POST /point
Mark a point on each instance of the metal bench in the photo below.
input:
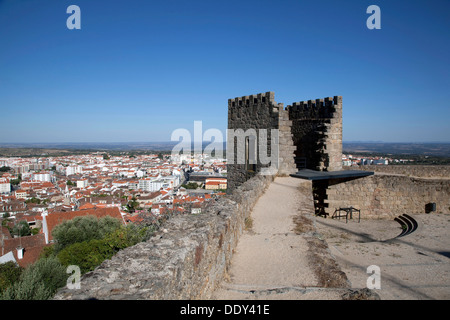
(346, 212)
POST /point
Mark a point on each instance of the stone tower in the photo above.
(306, 134)
(317, 133)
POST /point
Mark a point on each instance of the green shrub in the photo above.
(22, 229)
(9, 273)
(38, 281)
(127, 236)
(82, 229)
(87, 254)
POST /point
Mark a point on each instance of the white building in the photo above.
(70, 170)
(173, 181)
(148, 184)
(140, 173)
(346, 162)
(42, 176)
(5, 186)
(4, 162)
(83, 183)
(380, 161)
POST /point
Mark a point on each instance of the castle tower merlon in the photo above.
(260, 98)
(319, 103)
(337, 100)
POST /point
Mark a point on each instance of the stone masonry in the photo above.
(385, 195)
(250, 114)
(317, 133)
(310, 134)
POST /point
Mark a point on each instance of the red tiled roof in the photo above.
(87, 205)
(212, 183)
(5, 232)
(33, 246)
(135, 219)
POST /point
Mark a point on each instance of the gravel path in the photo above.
(280, 255)
(415, 266)
(272, 260)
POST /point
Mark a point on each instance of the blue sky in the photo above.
(138, 70)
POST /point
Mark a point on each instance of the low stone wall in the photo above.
(187, 259)
(422, 171)
(387, 196)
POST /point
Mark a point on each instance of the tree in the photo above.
(33, 200)
(9, 274)
(87, 254)
(15, 182)
(38, 281)
(90, 254)
(133, 205)
(81, 229)
(127, 236)
(190, 185)
(21, 229)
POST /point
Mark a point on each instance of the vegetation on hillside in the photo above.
(83, 241)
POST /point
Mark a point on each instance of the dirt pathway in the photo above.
(415, 266)
(288, 253)
(273, 259)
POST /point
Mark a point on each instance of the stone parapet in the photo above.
(186, 259)
(421, 171)
(387, 196)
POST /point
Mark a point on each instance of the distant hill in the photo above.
(24, 149)
(394, 148)
(93, 145)
(60, 149)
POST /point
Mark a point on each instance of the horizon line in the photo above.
(205, 142)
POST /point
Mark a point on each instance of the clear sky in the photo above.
(138, 70)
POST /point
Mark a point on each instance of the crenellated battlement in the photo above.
(310, 132)
(260, 98)
(317, 131)
(318, 107)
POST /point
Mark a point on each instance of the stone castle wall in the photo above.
(387, 196)
(422, 171)
(187, 259)
(287, 148)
